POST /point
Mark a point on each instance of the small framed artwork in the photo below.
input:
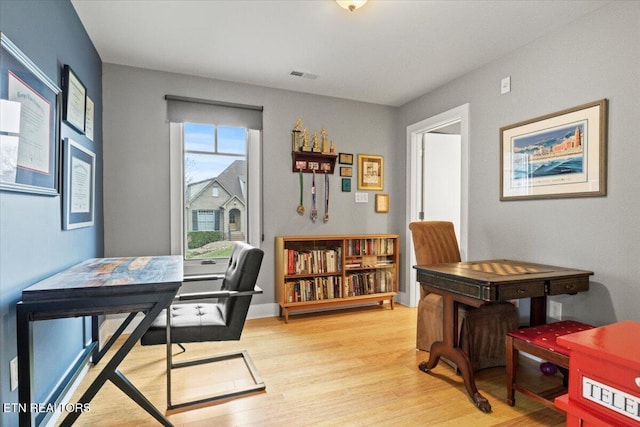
(382, 203)
(370, 172)
(74, 99)
(346, 185)
(78, 186)
(562, 154)
(346, 171)
(29, 125)
(345, 158)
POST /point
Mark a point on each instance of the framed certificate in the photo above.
(74, 102)
(79, 180)
(29, 105)
(88, 123)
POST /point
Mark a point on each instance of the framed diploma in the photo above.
(78, 186)
(88, 122)
(29, 105)
(74, 99)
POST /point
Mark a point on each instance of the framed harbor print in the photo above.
(562, 154)
(74, 99)
(370, 172)
(78, 186)
(29, 124)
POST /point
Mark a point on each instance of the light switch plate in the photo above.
(505, 85)
(362, 197)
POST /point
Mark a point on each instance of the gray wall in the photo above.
(596, 57)
(32, 244)
(136, 160)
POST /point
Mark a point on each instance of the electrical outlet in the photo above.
(13, 367)
(362, 197)
(555, 310)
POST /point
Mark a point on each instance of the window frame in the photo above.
(176, 190)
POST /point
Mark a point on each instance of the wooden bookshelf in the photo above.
(318, 272)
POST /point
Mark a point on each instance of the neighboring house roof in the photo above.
(229, 179)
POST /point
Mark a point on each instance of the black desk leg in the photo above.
(110, 371)
(23, 327)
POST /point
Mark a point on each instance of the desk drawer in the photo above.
(568, 286)
(521, 290)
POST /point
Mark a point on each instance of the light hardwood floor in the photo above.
(354, 367)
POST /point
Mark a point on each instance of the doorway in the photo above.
(437, 181)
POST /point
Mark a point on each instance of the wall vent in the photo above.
(303, 74)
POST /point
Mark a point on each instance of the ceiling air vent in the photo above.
(303, 74)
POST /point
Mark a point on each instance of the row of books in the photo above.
(367, 261)
(315, 289)
(312, 261)
(370, 247)
(370, 282)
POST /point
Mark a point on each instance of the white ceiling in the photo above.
(388, 52)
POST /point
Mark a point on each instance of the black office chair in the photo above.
(220, 321)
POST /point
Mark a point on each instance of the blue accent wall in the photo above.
(32, 243)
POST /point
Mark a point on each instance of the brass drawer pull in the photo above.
(570, 286)
(521, 291)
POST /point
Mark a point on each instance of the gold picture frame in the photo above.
(382, 203)
(370, 172)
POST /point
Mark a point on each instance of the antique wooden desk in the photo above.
(95, 287)
(482, 282)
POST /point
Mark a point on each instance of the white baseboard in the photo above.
(66, 398)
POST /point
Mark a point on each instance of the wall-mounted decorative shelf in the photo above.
(308, 161)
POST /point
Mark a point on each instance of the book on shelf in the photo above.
(312, 261)
(368, 282)
(374, 246)
(318, 288)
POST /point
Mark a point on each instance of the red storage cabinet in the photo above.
(604, 376)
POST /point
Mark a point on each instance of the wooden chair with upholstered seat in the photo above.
(481, 330)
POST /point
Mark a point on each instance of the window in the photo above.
(204, 220)
(215, 192)
(215, 157)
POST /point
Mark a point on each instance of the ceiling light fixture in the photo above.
(351, 5)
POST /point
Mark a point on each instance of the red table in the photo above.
(604, 376)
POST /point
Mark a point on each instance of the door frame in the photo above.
(414, 186)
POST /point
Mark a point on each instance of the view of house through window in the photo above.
(215, 186)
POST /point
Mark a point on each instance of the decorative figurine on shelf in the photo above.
(316, 144)
(305, 140)
(332, 150)
(325, 141)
